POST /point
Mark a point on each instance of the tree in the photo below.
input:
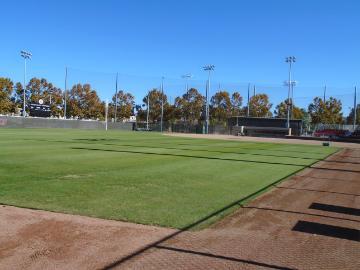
(220, 106)
(40, 89)
(84, 103)
(260, 106)
(125, 104)
(19, 95)
(189, 106)
(295, 112)
(350, 118)
(6, 88)
(236, 102)
(156, 97)
(328, 112)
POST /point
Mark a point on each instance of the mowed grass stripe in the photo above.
(139, 177)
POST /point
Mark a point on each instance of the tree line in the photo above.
(83, 102)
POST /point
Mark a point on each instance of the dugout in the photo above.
(266, 127)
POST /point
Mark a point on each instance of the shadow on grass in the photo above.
(210, 151)
(261, 149)
(99, 141)
(197, 145)
(187, 156)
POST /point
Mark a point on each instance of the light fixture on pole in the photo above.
(26, 55)
(187, 77)
(207, 68)
(290, 60)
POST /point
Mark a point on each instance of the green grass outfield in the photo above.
(139, 177)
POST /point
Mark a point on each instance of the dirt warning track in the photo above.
(311, 221)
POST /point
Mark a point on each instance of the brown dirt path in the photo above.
(260, 235)
(33, 239)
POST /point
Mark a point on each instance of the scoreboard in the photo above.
(40, 110)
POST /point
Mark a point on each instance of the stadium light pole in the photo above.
(293, 83)
(207, 68)
(355, 107)
(162, 103)
(116, 97)
(248, 101)
(66, 72)
(290, 60)
(148, 109)
(187, 77)
(26, 55)
(106, 114)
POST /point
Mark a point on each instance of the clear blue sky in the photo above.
(246, 40)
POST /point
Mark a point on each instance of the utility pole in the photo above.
(355, 107)
(162, 103)
(65, 93)
(207, 68)
(290, 60)
(106, 114)
(147, 115)
(25, 55)
(325, 94)
(248, 101)
(116, 97)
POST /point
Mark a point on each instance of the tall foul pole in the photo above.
(116, 97)
(207, 68)
(162, 104)
(26, 55)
